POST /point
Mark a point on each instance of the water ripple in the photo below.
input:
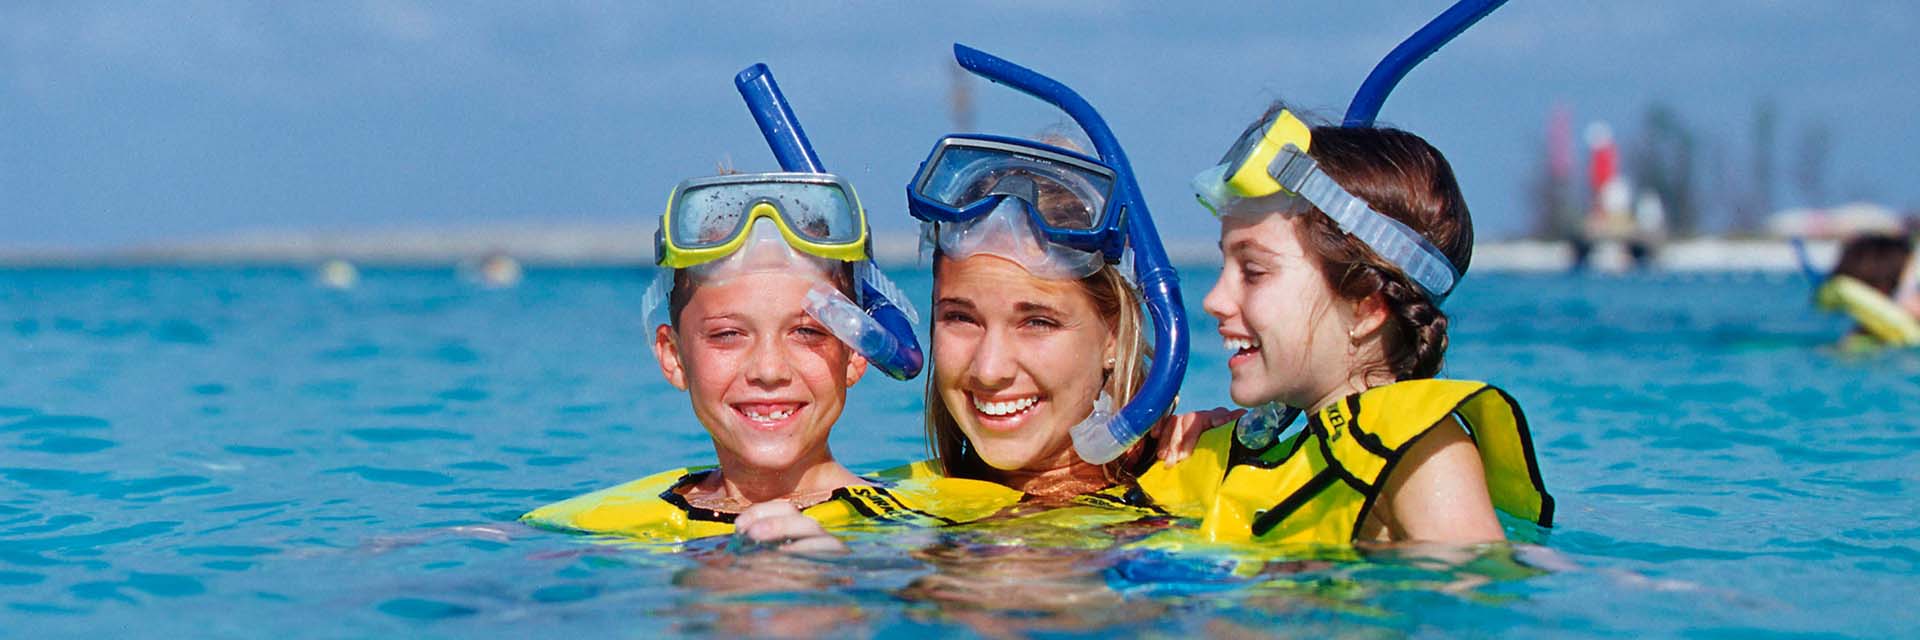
(411, 477)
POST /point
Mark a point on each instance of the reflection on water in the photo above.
(211, 453)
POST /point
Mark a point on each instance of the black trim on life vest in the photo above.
(1369, 441)
(1386, 471)
(1265, 521)
(1533, 464)
(1334, 465)
(672, 496)
(1127, 500)
(1526, 446)
(860, 506)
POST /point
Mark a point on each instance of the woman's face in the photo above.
(1017, 359)
(767, 380)
(1288, 333)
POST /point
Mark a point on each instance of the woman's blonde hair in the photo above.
(1118, 304)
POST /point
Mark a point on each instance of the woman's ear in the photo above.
(1369, 316)
(1111, 351)
(668, 353)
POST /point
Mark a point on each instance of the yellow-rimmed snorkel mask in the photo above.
(709, 218)
(801, 224)
(1271, 159)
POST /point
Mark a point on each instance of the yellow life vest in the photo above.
(1315, 487)
(1076, 522)
(651, 509)
(1881, 317)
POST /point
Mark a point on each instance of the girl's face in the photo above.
(1017, 359)
(766, 379)
(1290, 336)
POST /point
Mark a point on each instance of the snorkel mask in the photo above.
(803, 221)
(1061, 215)
(1272, 160)
(1045, 208)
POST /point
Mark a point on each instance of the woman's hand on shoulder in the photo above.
(1178, 435)
(779, 525)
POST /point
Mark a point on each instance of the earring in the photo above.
(1109, 363)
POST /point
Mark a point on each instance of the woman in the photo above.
(1030, 337)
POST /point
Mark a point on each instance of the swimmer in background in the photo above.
(1340, 246)
(495, 270)
(1876, 283)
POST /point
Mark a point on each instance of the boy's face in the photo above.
(766, 379)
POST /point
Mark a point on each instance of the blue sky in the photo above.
(142, 123)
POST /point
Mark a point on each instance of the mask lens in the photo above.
(1066, 196)
(818, 212)
(1237, 154)
(710, 215)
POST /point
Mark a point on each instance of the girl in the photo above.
(1340, 245)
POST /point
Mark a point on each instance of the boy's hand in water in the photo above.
(1179, 434)
(779, 525)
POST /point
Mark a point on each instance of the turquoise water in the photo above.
(195, 453)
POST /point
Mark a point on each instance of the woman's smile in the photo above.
(1004, 412)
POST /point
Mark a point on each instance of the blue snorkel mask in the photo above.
(820, 219)
(1295, 174)
(1060, 214)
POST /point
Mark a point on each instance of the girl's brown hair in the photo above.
(1400, 175)
(1875, 259)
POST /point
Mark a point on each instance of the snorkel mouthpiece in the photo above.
(1100, 441)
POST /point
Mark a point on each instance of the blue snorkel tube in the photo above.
(1159, 283)
(1387, 74)
(1814, 276)
(895, 351)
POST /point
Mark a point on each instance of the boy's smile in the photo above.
(766, 380)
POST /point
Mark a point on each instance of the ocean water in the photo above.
(239, 453)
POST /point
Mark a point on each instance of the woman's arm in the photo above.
(1438, 492)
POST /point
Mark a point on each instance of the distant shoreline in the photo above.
(626, 245)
